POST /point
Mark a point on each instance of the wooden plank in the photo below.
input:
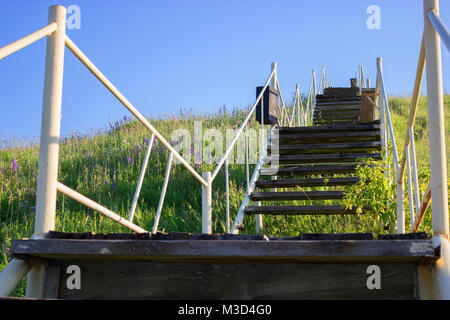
(194, 281)
(337, 111)
(338, 236)
(405, 236)
(297, 195)
(355, 110)
(222, 250)
(52, 284)
(375, 125)
(300, 210)
(343, 116)
(308, 170)
(338, 104)
(310, 148)
(93, 235)
(323, 158)
(155, 236)
(311, 182)
(327, 137)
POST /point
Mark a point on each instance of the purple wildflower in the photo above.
(14, 165)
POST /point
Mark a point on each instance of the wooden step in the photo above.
(355, 111)
(375, 125)
(308, 148)
(338, 103)
(327, 136)
(308, 170)
(310, 182)
(326, 117)
(323, 158)
(299, 210)
(336, 96)
(297, 195)
(340, 122)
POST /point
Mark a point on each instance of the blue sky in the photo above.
(169, 55)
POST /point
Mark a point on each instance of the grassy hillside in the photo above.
(105, 167)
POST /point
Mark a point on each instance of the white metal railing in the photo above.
(429, 62)
(303, 115)
(48, 185)
(408, 163)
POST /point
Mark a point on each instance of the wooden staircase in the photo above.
(309, 164)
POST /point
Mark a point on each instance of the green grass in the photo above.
(105, 167)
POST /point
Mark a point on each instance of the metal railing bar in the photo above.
(440, 27)
(309, 106)
(12, 274)
(247, 167)
(27, 40)
(410, 188)
(414, 169)
(414, 105)
(423, 207)
(314, 83)
(282, 103)
(241, 128)
(163, 193)
(246, 201)
(141, 178)
(97, 207)
(388, 117)
(102, 78)
(227, 191)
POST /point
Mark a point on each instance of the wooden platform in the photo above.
(269, 268)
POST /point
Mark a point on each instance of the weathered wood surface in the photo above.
(323, 158)
(307, 182)
(308, 170)
(228, 251)
(311, 148)
(297, 195)
(405, 236)
(300, 210)
(152, 280)
(154, 236)
(327, 137)
(322, 122)
(367, 105)
(375, 125)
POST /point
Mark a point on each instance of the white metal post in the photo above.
(11, 275)
(410, 188)
(141, 178)
(206, 204)
(227, 193)
(49, 141)
(361, 80)
(414, 167)
(314, 82)
(436, 126)
(163, 193)
(273, 67)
